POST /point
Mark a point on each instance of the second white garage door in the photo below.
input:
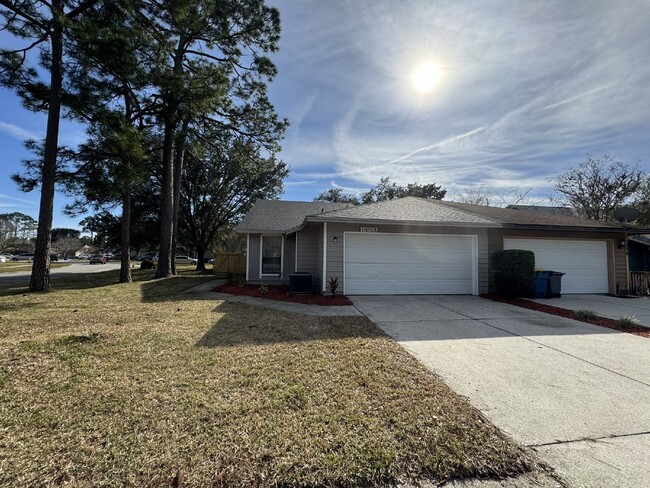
(584, 262)
(410, 264)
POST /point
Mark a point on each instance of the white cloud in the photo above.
(526, 89)
(17, 132)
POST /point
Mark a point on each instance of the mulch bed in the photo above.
(570, 314)
(281, 293)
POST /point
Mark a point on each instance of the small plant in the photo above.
(628, 322)
(264, 289)
(230, 277)
(240, 281)
(586, 314)
(333, 285)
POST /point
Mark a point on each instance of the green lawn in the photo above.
(138, 384)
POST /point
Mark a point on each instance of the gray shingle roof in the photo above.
(280, 215)
(523, 217)
(408, 209)
(567, 211)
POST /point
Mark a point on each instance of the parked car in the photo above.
(54, 257)
(3, 259)
(23, 257)
(185, 260)
(149, 257)
(97, 259)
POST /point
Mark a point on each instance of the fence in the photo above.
(640, 282)
(229, 263)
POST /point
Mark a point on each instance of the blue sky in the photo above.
(525, 89)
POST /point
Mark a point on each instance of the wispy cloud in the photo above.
(299, 183)
(17, 132)
(524, 91)
(14, 200)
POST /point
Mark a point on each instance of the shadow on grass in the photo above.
(242, 324)
(174, 288)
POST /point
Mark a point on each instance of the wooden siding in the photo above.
(335, 248)
(616, 258)
(288, 258)
(253, 257)
(620, 266)
(308, 246)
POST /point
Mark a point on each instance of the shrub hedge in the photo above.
(514, 272)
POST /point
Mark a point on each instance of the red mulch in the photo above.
(570, 314)
(281, 293)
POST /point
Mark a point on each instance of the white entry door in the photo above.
(410, 264)
(583, 261)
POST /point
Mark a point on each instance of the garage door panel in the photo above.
(408, 264)
(583, 261)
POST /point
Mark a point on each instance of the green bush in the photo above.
(514, 272)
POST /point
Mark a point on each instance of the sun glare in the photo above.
(426, 76)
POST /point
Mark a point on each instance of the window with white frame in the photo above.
(271, 255)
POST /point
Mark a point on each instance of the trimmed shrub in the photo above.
(514, 272)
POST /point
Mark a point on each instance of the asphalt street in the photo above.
(22, 277)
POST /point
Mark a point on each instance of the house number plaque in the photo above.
(369, 229)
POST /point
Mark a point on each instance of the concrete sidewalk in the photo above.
(576, 393)
(605, 305)
(204, 291)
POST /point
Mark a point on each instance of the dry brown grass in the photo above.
(134, 385)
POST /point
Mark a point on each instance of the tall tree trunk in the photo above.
(40, 278)
(167, 187)
(167, 205)
(200, 258)
(179, 158)
(125, 265)
(125, 262)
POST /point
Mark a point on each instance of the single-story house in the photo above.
(423, 246)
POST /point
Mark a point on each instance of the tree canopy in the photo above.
(596, 187)
(382, 191)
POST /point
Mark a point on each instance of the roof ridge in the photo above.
(474, 214)
(370, 204)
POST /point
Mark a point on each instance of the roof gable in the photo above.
(280, 216)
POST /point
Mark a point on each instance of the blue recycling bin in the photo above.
(548, 284)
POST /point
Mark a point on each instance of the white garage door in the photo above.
(408, 264)
(584, 262)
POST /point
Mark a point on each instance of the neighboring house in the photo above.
(638, 248)
(422, 246)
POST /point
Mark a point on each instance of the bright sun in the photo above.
(426, 76)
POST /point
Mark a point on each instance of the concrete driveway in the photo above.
(577, 394)
(605, 306)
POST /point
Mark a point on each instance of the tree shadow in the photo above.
(242, 324)
(184, 286)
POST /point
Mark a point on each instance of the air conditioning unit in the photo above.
(300, 283)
